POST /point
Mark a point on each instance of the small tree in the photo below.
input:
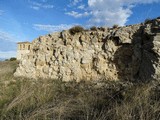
(12, 59)
(158, 17)
(93, 28)
(101, 28)
(147, 21)
(115, 26)
(76, 29)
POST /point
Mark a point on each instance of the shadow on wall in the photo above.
(149, 57)
(134, 61)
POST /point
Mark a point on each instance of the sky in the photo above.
(26, 20)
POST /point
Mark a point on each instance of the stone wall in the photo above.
(124, 53)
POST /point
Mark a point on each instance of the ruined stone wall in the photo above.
(125, 53)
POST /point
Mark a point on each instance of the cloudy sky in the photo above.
(25, 20)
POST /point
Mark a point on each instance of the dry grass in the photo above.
(26, 99)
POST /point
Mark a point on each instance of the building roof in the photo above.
(23, 42)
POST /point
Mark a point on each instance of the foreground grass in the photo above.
(26, 99)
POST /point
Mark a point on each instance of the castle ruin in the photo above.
(124, 53)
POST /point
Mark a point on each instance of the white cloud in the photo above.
(109, 12)
(38, 5)
(82, 7)
(52, 28)
(47, 6)
(78, 5)
(34, 7)
(77, 14)
(75, 2)
(1, 12)
(7, 36)
(7, 54)
(7, 42)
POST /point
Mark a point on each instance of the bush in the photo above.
(93, 28)
(101, 29)
(115, 26)
(147, 21)
(76, 29)
(12, 59)
(158, 17)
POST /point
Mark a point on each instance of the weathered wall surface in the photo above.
(126, 53)
(23, 48)
(21, 53)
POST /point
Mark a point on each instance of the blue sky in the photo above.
(25, 20)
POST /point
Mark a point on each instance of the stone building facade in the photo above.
(22, 49)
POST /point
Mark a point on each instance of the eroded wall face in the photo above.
(116, 54)
(22, 50)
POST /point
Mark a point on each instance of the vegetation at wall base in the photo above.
(45, 99)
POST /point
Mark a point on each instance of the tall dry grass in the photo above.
(27, 99)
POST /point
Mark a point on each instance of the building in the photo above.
(22, 49)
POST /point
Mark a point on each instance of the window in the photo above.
(28, 47)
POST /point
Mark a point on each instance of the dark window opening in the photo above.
(28, 47)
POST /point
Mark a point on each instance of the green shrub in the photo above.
(158, 17)
(115, 26)
(147, 21)
(12, 59)
(101, 28)
(76, 29)
(93, 28)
